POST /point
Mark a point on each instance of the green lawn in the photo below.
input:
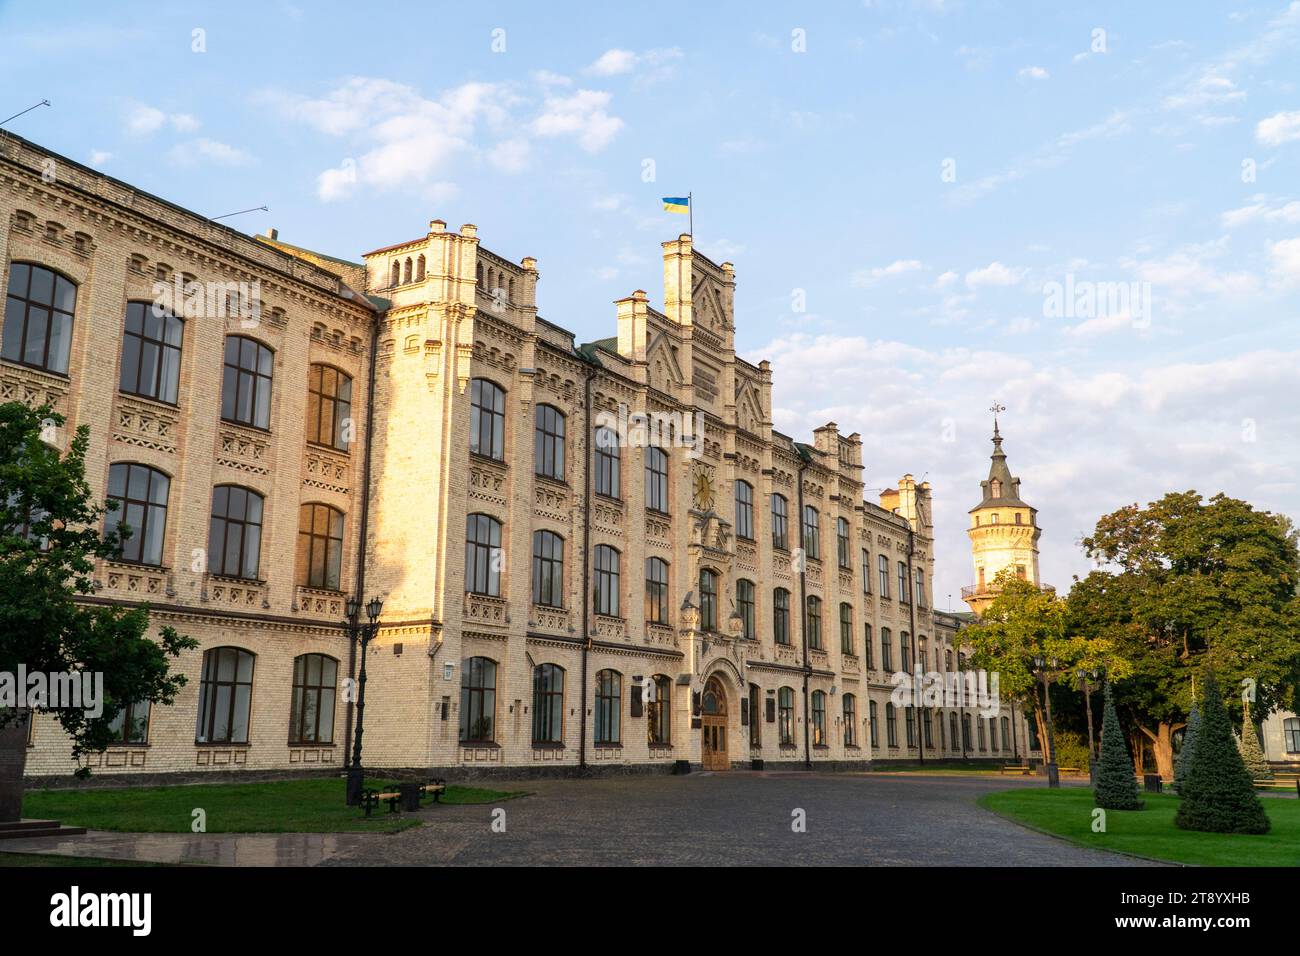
(1151, 832)
(312, 805)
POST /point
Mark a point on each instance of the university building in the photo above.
(595, 555)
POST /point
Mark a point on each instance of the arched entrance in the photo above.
(713, 721)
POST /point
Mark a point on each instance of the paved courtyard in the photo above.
(731, 819)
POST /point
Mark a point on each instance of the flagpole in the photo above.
(690, 211)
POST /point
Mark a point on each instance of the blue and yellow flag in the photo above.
(680, 204)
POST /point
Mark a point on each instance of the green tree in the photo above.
(1252, 754)
(1117, 787)
(1189, 747)
(1192, 584)
(50, 535)
(1218, 795)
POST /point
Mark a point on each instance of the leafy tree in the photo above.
(1252, 754)
(1192, 584)
(50, 535)
(1189, 747)
(1117, 787)
(1218, 795)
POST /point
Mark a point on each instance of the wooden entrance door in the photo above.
(713, 721)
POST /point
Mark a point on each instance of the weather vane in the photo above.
(995, 408)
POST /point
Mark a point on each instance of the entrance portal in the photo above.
(713, 720)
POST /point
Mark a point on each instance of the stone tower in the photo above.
(1003, 530)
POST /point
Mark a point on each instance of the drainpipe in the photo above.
(586, 565)
(916, 639)
(803, 621)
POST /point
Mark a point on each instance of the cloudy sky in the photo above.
(1093, 218)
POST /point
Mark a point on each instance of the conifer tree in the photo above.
(1189, 747)
(1252, 754)
(1117, 787)
(1218, 795)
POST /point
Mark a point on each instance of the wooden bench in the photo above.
(434, 788)
(1070, 770)
(1015, 768)
(371, 797)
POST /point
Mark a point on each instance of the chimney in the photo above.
(632, 327)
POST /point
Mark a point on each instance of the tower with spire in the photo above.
(1003, 529)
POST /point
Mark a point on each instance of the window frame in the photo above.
(210, 684)
(546, 697)
(151, 512)
(164, 350)
(262, 383)
(482, 564)
(607, 460)
(780, 522)
(339, 405)
(657, 577)
(476, 694)
(549, 428)
(744, 495)
(608, 712)
(548, 569)
(52, 312)
(487, 420)
(607, 563)
(657, 494)
(334, 518)
(244, 524)
(301, 689)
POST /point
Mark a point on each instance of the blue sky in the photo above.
(920, 172)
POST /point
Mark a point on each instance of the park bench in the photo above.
(371, 797)
(1071, 770)
(1015, 768)
(434, 788)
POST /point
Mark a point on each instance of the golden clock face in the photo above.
(703, 492)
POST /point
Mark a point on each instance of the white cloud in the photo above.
(1206, 90)
(195, 151)
(946, 279)
(511, 155)
(993, 275)
(1286, 260)
(142, 119)
(653, 64)
(1033, 73)
(865, 278)
(1278, 129)
(1261, 210)
(99, 157)
(583, 115)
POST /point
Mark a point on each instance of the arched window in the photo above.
(407, 274)
(904, 592)
(745, 606)
(952, 731)
(842, 544)
(904, 652)
(850, 720)
(708, 599)
(1006, 733)
(785, 715)
(920, 587)
(320, 546)
(819, 718)
(487, 419)
(225, 696)
(548, 443)
(812, 535)
(755, 722)
(311, 714)
(656, 591)
(609, 708)
(235, 532)
(891, 725)
(980, 728)
(548, 569)
(151, 353)
(548, 704)
(744, 510)
(606, 585)
(866, 572)
(813, 622)
(397, 273)
(882, 564)
(483, 555)
(608, 481)
(926, 728)
(965, 732)
(478, 700)
(781, 616)
(993, 734)
(659, 711)
(419, 268)
(39, 308)
(780, 517)
(886, 650)
(329, 407)
(846, 629)
(246, 382)
(868, 647)
(873, 725)
(995, 488)
(479, 275)
(141, 496)
(656, 480)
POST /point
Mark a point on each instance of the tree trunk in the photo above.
(13, 759)
(1162, 745)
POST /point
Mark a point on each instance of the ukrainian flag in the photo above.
(680, 204)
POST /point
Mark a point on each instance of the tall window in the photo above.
(979, 726)
(952, 730)
(235, 532)
(656, 480)
(659, 711)
(745, 605)
(785, 715)
(608, 480)
(755, 724)
(812, 541)
(882, 565)
(708, 600)
(926, 724)
(129, 726)
(1290, 734)
(225, 693)
(320, 546)
(656, 591)
(781, 616)
(483, 555)
(813, 622)
(548, 569)
(866, 572)
(870, 652)
(246, 382)
(38, 318)
(904, 652)
(850, 720)
(141, 496)
(548, 704)
(548, 443)
(311, 713)
(922, 655)
(903, 590)
(329, 407)
(819, 718)
(780, 518)
(744, 510)
(920, 587)
(965, 732)
(478, 700)
(609, 696)
(872, 723)
(886, 650)
(846, 629)
(1006, 734)
(909, 719)
(605, 592)
(151, 353)
(487, 419)
(993, 734)
(842, 543)
(891, 725)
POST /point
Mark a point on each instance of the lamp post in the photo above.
(1044, 667)
(361, 634)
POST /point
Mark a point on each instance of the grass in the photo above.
(312, 805)
(1151, 832)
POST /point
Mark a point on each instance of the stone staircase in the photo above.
(29, 829)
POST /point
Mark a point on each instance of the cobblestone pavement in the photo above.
(221, 849)
(730, 819)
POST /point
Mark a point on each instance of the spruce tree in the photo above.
(1189, 747)
(1217, 795)
(1117, 787)
(1252, 754)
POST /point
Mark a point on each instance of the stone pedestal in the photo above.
(13, 758)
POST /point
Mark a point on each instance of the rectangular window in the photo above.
(781, 616)
(882, 565)
(780, 539)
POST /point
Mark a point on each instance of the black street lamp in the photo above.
(361, 634)
(1043, 668)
